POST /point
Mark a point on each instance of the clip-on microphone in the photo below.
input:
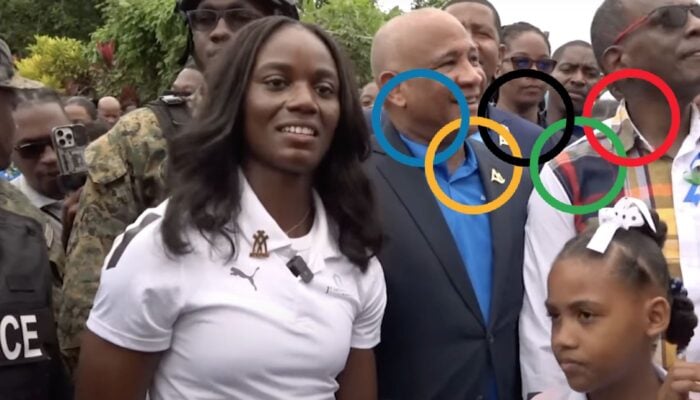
(299, 268)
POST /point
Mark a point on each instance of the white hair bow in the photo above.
(627, 213)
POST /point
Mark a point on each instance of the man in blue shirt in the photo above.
(454, 281)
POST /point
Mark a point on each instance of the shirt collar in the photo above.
(37, 199)
(419, 150)
(631, 136)
(254, 217)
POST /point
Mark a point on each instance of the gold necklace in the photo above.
(300, 222)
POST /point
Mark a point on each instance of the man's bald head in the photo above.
(109, 110)
(402, 38)
(426, 39)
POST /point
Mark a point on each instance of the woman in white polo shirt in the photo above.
(256, 279)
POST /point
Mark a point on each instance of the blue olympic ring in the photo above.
(427, 74)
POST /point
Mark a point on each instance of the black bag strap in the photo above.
(172, 113)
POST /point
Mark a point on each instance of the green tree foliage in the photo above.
(21, 20)
(149, 40)
(353, 24)
(59, 63)
(416, 4)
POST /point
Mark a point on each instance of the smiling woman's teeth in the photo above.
(299, 130)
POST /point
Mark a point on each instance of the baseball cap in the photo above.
(9, 79)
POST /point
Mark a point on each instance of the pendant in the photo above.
(260, 245)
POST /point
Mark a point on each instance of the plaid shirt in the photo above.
(587, 177)
(580, 176)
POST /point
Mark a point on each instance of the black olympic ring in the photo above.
(527, 73)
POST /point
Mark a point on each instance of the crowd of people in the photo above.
(250, 234)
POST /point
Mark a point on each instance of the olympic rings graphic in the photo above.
(527, 73)
(586, 208)
(483, 123)
(465, 208)
(377, 114)
(672, 130)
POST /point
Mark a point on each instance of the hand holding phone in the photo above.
(69, 143)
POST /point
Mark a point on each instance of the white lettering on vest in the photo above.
(10, 322)
(29, 335)
(9, 354)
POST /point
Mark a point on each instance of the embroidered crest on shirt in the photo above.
(259, 245)
(251, 278)
(497, 177)
(692, 176)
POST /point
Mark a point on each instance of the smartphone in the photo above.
(70, 142)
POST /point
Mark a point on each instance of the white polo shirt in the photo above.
(244, 329)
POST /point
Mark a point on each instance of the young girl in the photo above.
(610, 298)
(256, 279)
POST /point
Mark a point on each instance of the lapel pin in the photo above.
(259, 245)
(497, 177)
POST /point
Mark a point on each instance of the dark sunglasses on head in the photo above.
(206, 20)
(33, 150)
(545, 65)
(670, 17)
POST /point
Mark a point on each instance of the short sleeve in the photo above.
(367, 325)
(140, 292)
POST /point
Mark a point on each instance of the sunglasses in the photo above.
(33, 150)
(206, 20)
(545, 65)
(669, 17)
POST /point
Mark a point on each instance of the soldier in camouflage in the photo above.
(11, 199)
(126, 166)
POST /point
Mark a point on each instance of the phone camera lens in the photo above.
(69, 136)
(59, 133)
(62, 142)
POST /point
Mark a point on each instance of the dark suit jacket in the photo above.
(435, 344)
(524, 131)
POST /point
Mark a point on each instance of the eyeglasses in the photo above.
(670, 17)
(206, 20)
(33, 150)
(545, 65)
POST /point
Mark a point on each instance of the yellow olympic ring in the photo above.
(465, 208)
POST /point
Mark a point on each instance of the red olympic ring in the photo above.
(672, 131)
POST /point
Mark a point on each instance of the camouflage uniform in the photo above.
(126, 176)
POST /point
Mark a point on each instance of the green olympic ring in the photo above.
(584, 208)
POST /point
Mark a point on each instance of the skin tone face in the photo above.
(209, 44)
(77, 114)
(187, 82)
(109, 110)
(578, 71)
(679, 48)
(7, 128)
(369, 93)
(480, 21)
(34, 125)
(434, 40)
(523, 95)
(292, 105)
(603, 329)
